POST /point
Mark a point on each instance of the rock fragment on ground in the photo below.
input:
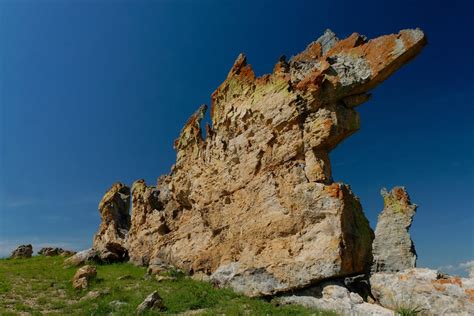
(151, 302)
(82, 257)
(23, 251)
(393, 250)
(83, 276)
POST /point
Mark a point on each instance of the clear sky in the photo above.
(92, 92)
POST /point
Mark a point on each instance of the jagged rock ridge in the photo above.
(254, 204)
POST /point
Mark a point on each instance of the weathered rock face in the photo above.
(82, 257)
(23, 251)
(428, 291)
(393, 249)
(254, 203)
(55, 251)
(115, 222)
(336, 297)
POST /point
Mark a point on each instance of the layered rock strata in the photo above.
(393, 249)
(114, 208)
(253, 204)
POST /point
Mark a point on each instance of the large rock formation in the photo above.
(110, 240)
(253, 204)
(393, 249)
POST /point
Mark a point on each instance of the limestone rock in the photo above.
(253, 203)
(337, 298)
(23, 251)
(50, 251)
(110, 240)
(151, 302)
(82, 257)
(393, 249)
(428, 291)
(83, 276)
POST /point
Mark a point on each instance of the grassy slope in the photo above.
(42, 284)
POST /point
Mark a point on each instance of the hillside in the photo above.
(42, 285)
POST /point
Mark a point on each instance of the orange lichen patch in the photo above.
(403, 277)
(470, 294)
(454, 280)
(387, 53)
(352, 41)
(312, 52)
(401, 196)
(240, 71)
(334, 190)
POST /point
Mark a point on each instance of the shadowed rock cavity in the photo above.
(254, 204)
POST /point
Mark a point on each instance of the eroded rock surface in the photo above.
(23, 251)
(83, 276)
(428, 291)
(55, 251)
(254, 204)
(335, 297)
(393, 249)
(110, 240)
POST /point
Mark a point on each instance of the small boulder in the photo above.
(152, 302)
(82, 257)
(50, 251)
(23, 251)
(83, 276)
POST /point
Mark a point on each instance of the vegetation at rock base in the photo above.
(41, 285)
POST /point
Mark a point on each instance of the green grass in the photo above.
(43, 285)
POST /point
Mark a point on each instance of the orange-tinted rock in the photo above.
(254, 204)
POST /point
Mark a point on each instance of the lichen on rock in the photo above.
(393, 249)
(253, 203)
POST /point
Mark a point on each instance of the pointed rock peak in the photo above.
(191, 132)
(241, 68)
(397, 197)
(327, 41)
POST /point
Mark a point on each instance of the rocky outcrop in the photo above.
(110, 240)
(393, 249)
(83, 276)
(55, 251)
(23, 251)
(253, 203)
(424, 290)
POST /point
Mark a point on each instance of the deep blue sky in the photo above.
(92, 92)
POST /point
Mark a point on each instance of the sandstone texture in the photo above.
(83, 276)
(393, 249)
(428, 291)
(23, 251)
(110, 240)
(253, 203)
